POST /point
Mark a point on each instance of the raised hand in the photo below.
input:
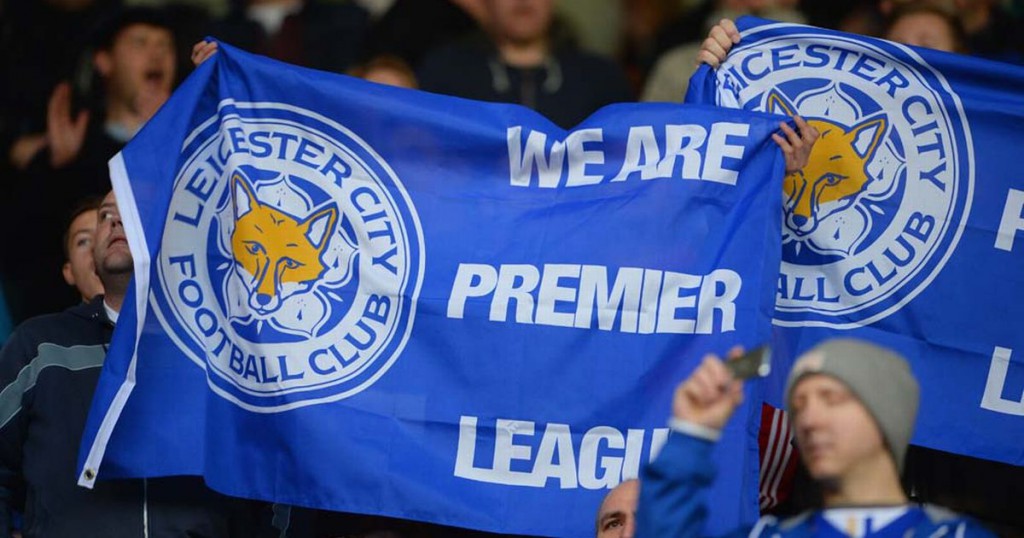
(710, 395)
(65, 135)
(25, 148)
(720, 40)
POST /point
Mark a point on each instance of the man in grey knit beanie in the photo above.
(877, 378)
(852, 404)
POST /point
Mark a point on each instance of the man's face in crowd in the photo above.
(923, 30)
(111, 252)
(79, 270)
(140, 61)
(391, 77)
(617, 516)
(835, 432)
(521, 21)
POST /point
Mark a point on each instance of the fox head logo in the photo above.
(836, 173)
(280, 254)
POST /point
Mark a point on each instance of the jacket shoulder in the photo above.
(76, 325)
(956, 524)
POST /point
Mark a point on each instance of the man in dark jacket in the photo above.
(48, 370)
(522, 61)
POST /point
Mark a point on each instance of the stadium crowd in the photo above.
(81, 77)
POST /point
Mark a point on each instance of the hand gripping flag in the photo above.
(375, 300)
(905, 227)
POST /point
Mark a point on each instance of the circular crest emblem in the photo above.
(291, 258)
(875, 214)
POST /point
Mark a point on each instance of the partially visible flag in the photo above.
(906, 226)
(374, 300)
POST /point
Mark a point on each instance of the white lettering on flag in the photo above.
(606, 455)
(566, 295)
(703, 155)
(1012, 221)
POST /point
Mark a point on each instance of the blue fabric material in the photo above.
(906, 226)
(351, 300)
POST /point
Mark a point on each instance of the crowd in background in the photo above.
(81, 77)
(72, 97)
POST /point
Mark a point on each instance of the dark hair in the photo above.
(953, 23)
(111, 27)
(89, 203)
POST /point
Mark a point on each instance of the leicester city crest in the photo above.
(881, 205)
(291, 258)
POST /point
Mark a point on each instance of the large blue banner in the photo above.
(375, 300)
(905, 227)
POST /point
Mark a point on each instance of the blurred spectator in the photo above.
(616, 517)
(382, 69)
(411, 28)
(837, 14)
(685, 27)
(642, 38)
(864, 17)
(925, 25)
(853, 406)
(49, 369)
(692, 24)
(597, 25)
(387, 69)
(320, 34)
(992, 30)
(135, 63)
(79, 270)
(671, 74)
(41, 42)
(523, 62)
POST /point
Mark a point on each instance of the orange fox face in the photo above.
(282, 254)
(836, 172)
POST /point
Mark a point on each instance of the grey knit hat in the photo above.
(878, 377)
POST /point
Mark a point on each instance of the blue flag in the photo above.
(904, 228)
(368, 299)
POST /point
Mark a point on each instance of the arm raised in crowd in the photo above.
(673, 499)
(65, 132)
(796, 145)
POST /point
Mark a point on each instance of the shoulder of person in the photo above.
(773, 527)
(955, 524)
(58, 327)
